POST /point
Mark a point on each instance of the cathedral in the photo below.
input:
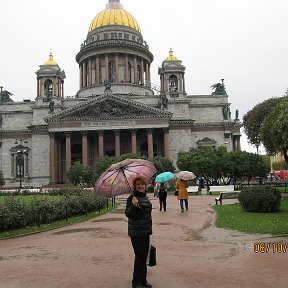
(117, 110)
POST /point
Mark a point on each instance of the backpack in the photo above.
(162, 188)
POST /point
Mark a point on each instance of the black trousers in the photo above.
(141, 248)
(162, 200)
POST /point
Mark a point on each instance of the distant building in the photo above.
(117, 109)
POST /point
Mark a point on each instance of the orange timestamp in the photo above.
(277, 247)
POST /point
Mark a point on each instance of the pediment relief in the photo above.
(108, 107)
(206, 141)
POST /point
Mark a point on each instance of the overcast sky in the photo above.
(243, 41)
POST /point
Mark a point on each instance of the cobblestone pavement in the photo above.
(191, 252)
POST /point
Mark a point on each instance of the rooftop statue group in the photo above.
(5, 96)
(219, 88)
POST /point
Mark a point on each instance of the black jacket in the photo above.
(139, 217)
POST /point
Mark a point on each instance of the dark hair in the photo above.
(143, 181)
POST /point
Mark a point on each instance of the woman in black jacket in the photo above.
(138, 211)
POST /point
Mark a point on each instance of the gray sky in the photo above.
(243, 41)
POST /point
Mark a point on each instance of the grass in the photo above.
(56, 224)
(233, 217)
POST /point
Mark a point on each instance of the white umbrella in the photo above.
(185, 175)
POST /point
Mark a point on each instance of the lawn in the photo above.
(233, 217)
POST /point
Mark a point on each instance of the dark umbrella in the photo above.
(118, 178)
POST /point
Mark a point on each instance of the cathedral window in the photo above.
(105, 36)
(48, 88)
(120, 35)
(126, 36)
(138, 74)
(173, 83)
(113, 35)
(98, 37)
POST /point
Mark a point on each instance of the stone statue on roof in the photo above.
(5, 96)
(219, 88)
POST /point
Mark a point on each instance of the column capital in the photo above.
(149, 130)
(83, 132)
(100, 132)
(166, 130)
(116, 132)
(133, 131)
(68, 133)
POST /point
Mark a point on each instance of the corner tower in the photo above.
(172, 80)
(50, 80)
(114, 50)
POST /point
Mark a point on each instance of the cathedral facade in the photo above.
(117, 109)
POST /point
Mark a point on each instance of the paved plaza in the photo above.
(191, 252)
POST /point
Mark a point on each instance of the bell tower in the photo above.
(50, 80)
(172, 76)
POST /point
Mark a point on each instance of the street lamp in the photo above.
(20, 165)
(226, 143)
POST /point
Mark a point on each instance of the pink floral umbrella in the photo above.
(118, 178)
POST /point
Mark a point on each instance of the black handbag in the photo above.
(152, 256)
(176, 193)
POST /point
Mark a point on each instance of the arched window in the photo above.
(48, 88)
(173, 83)
(112, 71)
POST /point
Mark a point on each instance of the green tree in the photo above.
(253, 119)
(2, 181)
(75, 173)
(205, 160)
(274, 130)
(163, 164)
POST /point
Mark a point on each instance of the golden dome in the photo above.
(50, 61)
(171, 57)
(114, 14)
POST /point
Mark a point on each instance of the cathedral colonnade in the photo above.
(89, 146)
(115, 68)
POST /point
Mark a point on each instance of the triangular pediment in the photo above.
(206, 142)
(107, 107)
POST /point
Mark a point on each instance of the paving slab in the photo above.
(191, 252)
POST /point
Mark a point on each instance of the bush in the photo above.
(260, 199)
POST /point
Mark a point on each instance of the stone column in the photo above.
(117, 142)
(89, 72)
(142, 72)
(101, 143)
(183, 82)
(126, 69)
(84, 148)
(150, 143)
(52, 158)
(13, 161)
(117, 67)
(135, 70)
(166, 143)
(84, 75)
(97, 70)
(106, 67)
(68, 150)
(133, 141)
(81, 76)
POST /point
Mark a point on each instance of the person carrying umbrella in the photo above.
(162, 195)
(138, 211)
(181, 186)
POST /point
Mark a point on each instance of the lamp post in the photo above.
(226, 144)
(20, 165)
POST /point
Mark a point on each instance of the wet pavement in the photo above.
(191, 252)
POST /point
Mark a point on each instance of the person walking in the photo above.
(181, 186)
(138, 211)
(162, 194)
